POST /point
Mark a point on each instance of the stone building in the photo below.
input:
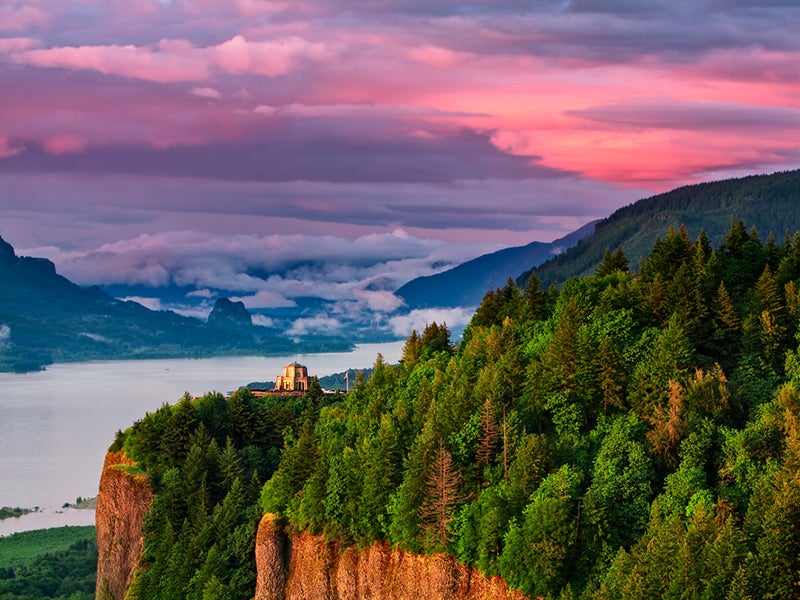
(294, 378)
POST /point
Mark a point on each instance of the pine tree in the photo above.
(534, 300)
(442, 485)
(612, 262)
(669, 427)
(611, 376)
(487, 441)
(411, 349)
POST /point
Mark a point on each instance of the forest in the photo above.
(48, 564)
(632, 434)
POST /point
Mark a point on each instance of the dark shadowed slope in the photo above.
(771, 203)
(46, 318)
(466, 284)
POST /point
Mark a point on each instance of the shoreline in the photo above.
(47, 518)
(350, 347)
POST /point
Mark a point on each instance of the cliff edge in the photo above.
(122, 503)
(307, 567)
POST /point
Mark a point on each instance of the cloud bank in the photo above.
(275, 147)
(348, 280)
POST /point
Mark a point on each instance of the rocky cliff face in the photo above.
(307, 567)
(122, 502)
(303, 567)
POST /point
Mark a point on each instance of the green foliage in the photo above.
(612, 262)
(540, 547)
(771, 202)
(8, 512)
(21, 548)
(208, 460)
(629, 436)
(48, 564)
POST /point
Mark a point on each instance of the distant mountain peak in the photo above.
(229, 313)
(6, 251)
(466, 284)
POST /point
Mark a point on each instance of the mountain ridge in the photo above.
(770, 202)
(465, 284)
(46, 318)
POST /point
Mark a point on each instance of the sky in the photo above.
(349, 146)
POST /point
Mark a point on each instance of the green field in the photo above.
(21, 548)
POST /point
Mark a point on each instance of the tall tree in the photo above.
(487, 442)
(442, 484)
(612, 262)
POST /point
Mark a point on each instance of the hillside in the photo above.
(771, 203)
(466, 284)
(625, 436)
(45, 318)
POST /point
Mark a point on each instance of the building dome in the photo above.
(294, 378)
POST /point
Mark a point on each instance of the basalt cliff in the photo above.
(307, 567)
(122, 503)
(290, 567)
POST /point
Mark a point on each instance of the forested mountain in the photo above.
(624, 436)
(771, 203)
(465, 284)
(46, 318)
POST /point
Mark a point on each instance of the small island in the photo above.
(7, 512)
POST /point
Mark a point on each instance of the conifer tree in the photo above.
(442, 484)
(612, 262)
(411, 349)
(487, 441)
(534, 299)
(610, 376)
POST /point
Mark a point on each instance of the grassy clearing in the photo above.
(131, 469)
(21, 548)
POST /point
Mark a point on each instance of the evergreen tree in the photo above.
(612, 262)
(534, 300)
(442, 484)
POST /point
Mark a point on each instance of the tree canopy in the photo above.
(631, 435)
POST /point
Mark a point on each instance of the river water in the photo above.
(55, 425)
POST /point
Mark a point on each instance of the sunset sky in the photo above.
(190, 140)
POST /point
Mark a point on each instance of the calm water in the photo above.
(56, 425)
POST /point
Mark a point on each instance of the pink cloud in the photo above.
(60, 145)
(206, 92)
(403, 70)
(7, 148)
(751, 65)
(269, 58)
(257, 8)
(438, 57)
(167, 61)
(20, 18)
(656, 156)
(174, 60)
(16, 44)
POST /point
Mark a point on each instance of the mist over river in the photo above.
(55, 425)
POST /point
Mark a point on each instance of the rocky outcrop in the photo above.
(271, 554)
(300, 567)
(122, 502)
(227, 313)
(307, 567)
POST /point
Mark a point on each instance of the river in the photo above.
(55, 425)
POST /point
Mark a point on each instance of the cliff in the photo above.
(307, 567)
(122, 502)
(301, 567)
